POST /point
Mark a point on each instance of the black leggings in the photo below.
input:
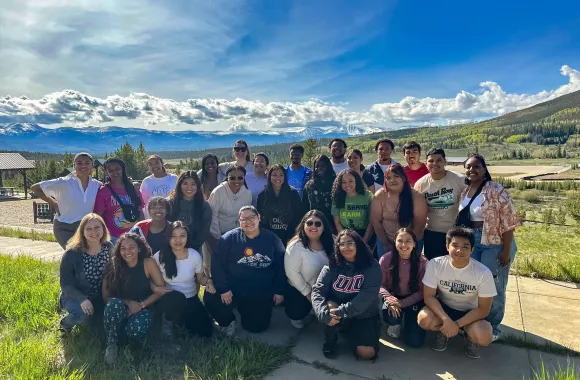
(186, 312)
(296, 305)
(255, 310)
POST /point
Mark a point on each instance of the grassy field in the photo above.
(27, 234)
(30, 347)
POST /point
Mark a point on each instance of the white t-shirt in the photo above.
(475, 210)
(184, 281)
(339, 167)
(442, 196)
(153, 186)
(459, 288)
(73, 202)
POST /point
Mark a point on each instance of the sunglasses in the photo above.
(317, 223)
(233, 178)
(239, 149)
(350, 244)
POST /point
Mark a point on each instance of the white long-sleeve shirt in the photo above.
(225, 206)
(303, 266)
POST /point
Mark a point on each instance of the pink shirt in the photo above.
(107, 206)
(405, 297)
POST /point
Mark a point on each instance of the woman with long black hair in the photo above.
(187, 205)
(127, 293)
(317, 193)
(351, 204)
(209, 175)
(279, 205)
(489, 210)
(397, 205)
(307, 253)
(118, 202)
(345, 297)
(402, 288)
(182, 270)
(354, 159)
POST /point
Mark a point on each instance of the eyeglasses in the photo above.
(350, 244)
(249, 219)
(233, 178)
(317, 223)
(239, 149)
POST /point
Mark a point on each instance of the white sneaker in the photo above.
(111, 354)
(394, 331)
(167, 329)
(230, 330)
(494, 337)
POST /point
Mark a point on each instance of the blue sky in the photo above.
(358, 60)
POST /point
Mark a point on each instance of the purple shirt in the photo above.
(405, 297)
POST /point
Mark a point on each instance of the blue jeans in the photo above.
(412, 334)
(75, 315)
(489, 256)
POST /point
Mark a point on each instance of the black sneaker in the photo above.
(330, 349)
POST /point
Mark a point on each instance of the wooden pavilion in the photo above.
(15, 162)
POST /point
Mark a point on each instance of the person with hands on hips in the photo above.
(248, 274)
(402, 288)
(458, 292)
(346, 295)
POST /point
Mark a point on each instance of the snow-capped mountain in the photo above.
(32, 137)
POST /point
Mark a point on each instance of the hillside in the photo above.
(550, 123)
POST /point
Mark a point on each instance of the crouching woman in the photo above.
(127, 293)
(345, 297)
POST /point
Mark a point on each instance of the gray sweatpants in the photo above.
(64, 231)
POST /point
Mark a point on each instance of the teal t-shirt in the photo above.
(355, 214)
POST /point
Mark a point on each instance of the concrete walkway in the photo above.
(537, 310)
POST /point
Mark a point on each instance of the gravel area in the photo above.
(16, 212)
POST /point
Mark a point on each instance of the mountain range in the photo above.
(33, 137)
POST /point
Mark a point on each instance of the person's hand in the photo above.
(161, 290)
(394, 310)
(54, 205)
(227, 297)
(449, 328)
(333, 312)
(209, 287)
(504, 258)
(134, 307)
(334, 321)
(278, 299)
(87, 307)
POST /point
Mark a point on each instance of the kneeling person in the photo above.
(466, 290)
(247, 267)
(345, 297)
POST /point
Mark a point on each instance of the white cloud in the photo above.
(491, 101)
(139, 109)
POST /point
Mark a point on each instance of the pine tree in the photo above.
(310, 146)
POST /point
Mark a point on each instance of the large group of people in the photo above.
(417, 247)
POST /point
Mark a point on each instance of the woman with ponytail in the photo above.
(402, 288)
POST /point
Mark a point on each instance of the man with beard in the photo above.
(384, 149)
(415, 169)
(337, 149)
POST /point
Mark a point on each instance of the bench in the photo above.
(42, 210)
(7, 191)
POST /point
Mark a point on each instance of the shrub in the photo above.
(531, 196)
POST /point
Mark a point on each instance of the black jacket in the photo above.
(281, 217)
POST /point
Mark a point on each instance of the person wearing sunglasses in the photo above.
(280, 205)
(225, 201)
(248, 275)
(241, 154)
(307, 252)
(346, 297)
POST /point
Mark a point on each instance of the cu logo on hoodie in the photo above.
(345, 284)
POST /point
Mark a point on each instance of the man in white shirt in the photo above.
(337, 149)
(458, 292)
(71, 197)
